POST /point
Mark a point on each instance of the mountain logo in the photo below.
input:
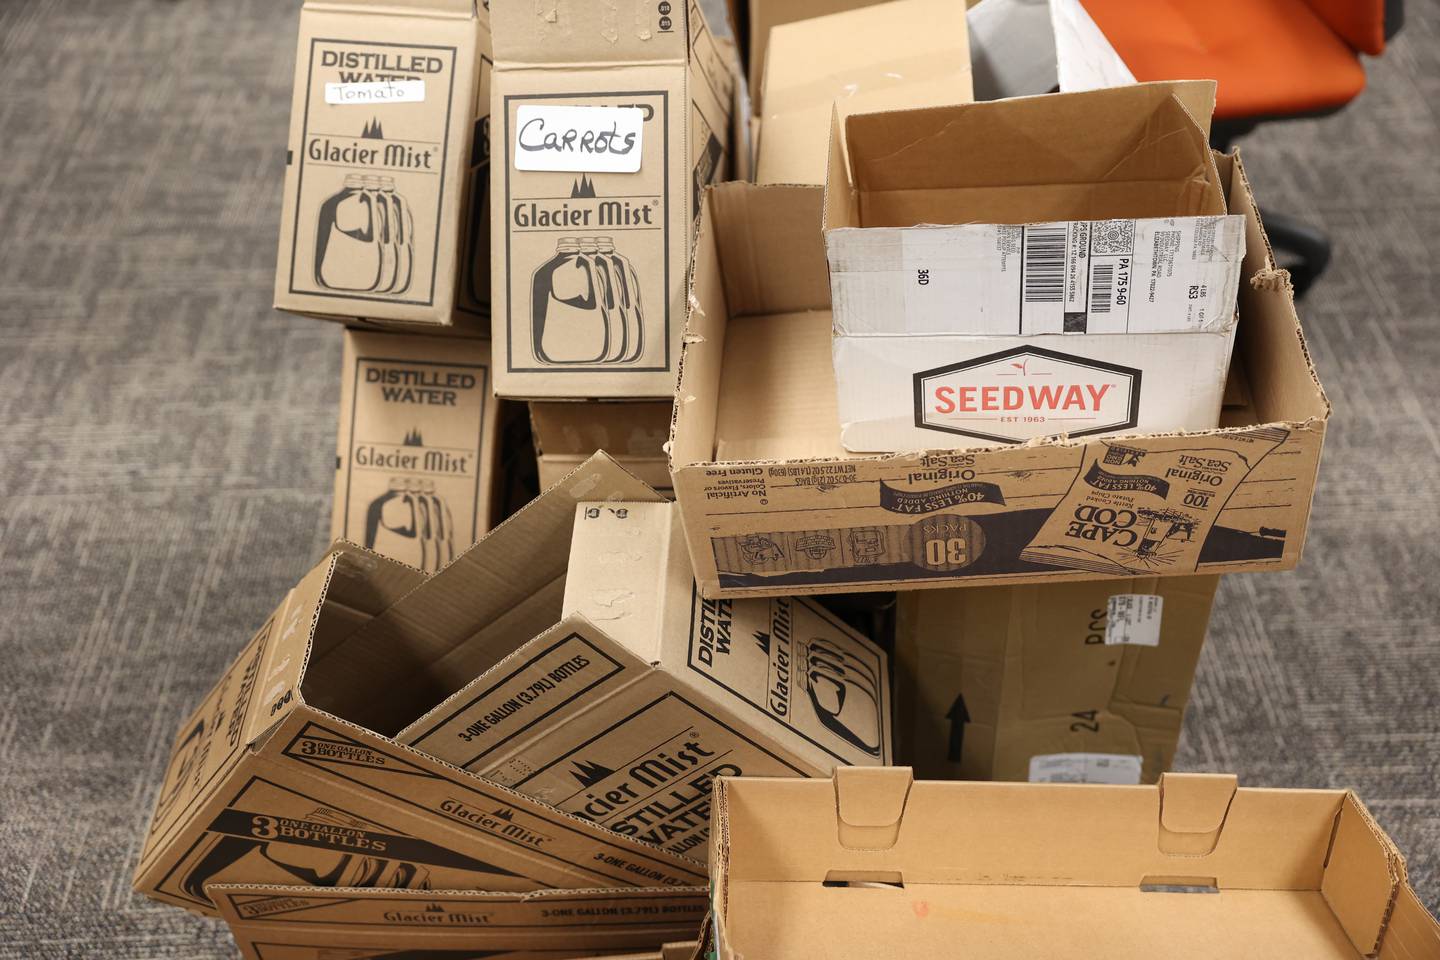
(762, 640)
(372, 130)
(413, 439)
(583, 188)
(504, 813)
(434, 908)
(587, 773)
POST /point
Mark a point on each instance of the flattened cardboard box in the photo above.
(1081, 682)
(318, 923)
(626, 709)
(872, 864)
(909, 53)
(377, 183)
(773, 504)
(288, 771)
(600, 169)
(416, 456)
(992, 295)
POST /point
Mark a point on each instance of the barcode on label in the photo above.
(1045, 264)
(1102, 287)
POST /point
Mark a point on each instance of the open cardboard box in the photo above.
(872, 864)
(289, 771)
(773, 505)
(633, 433)
(318, 923)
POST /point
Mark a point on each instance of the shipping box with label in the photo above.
(907, 53)
(384, 124)
(324, 923)
(1088, 288)
(637, 693)
(606, 127)
(774, 505)
(873, 864)
(633, 433)
(1082, 682)
(288, 772)
(415, 461)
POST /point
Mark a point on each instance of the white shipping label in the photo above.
(1114, 768)
(579, 139)
(1083, 276)
(1133, 619)
(381, 91)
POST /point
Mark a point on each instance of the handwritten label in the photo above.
(579, 139)
(1133, 619)
(381, 91)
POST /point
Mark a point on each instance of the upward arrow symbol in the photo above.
(958, 717)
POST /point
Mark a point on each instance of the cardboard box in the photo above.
(1020, 48)
(766, 15)
(636, 694)
(608, 128)
(316, 923)
(872, 864)
(288, 771)
(1087, 289)
(1082, 682)
(416, 456)
(760, 473)
(907, 53)
(633, 433)
(380, 155)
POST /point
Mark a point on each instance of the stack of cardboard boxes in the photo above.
(1010, 383)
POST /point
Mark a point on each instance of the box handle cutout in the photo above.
(1179, 885)
(865, 879)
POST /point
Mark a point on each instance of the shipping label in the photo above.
(796, 664)
(1112, 768)
(412, 482)
(370, 170)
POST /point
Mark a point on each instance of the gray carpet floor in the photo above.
(166, 446)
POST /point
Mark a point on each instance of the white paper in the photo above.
(1113, 768)
(1084, 58)
(579, 139)
(381, 91)
(1133, 619)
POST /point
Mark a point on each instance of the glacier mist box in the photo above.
(418, 444)
(380, 165)
(605, 130)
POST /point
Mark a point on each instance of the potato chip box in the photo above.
(318, 923)
(606, 129)
(385, 216)
(773, 504)
(874, 864)
(1081, 682)
(635, 694)
(289, 773)
(416, 456)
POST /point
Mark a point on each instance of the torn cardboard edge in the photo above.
(548, 923)
(1298, 872)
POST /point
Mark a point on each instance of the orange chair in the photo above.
(1273, 59)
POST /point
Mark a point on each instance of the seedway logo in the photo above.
(1027, 392)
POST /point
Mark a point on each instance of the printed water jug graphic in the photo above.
(363, 238)
(411, 523)
(844, 692)
(585, 303)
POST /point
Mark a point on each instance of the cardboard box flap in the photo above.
(871, 797)
(1193, 807)
(768, 252)
(1128, 151)
(551, 34)
(401, 8)
(466, 618)
(1363, 874)
(1412, 934)
(988, 833)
